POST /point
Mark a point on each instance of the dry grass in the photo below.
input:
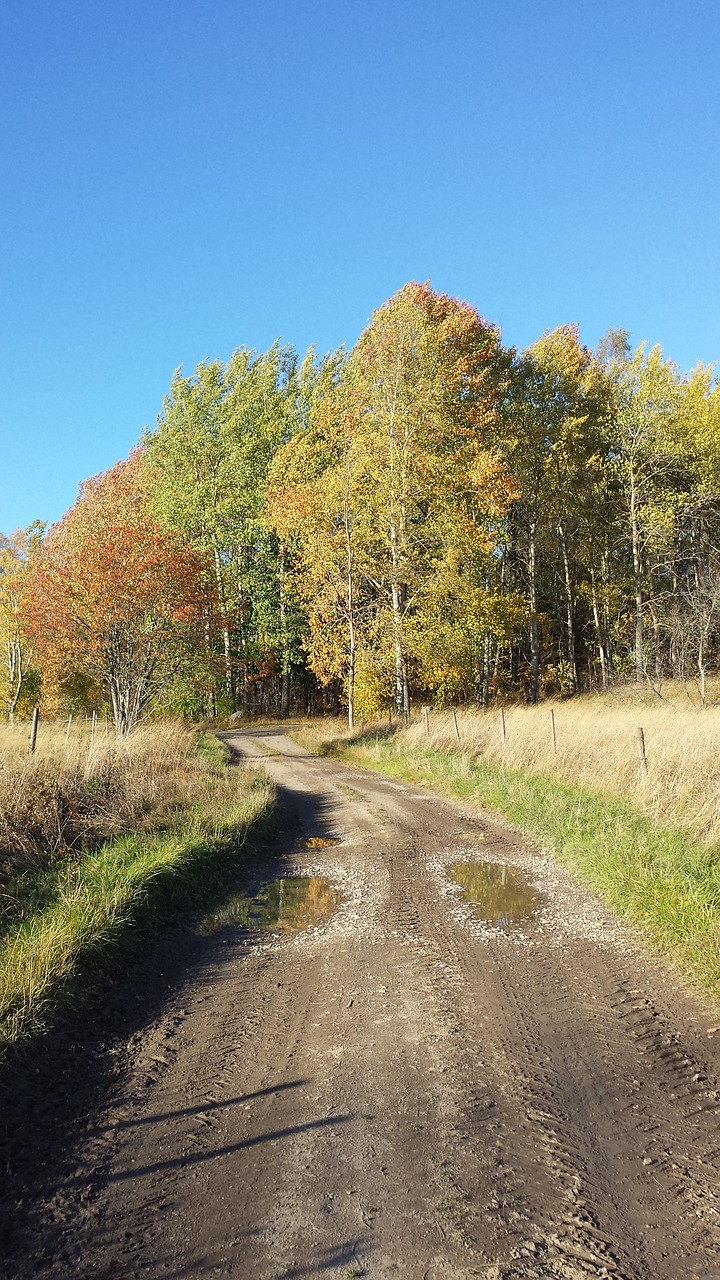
(597, 748)
(79, 790)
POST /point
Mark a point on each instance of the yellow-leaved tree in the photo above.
(15, 556)
(391, 495)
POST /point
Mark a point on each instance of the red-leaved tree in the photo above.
(116, 597)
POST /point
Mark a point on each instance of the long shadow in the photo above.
(201, 1157)
(61, 1084)
(330, 1258)
(339, 1255)
(205, 1107)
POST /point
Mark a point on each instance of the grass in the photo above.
(65, 912)
(597, 747)
(81, 789)
(648, 845)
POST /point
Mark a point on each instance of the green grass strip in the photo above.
(660, 878)
(122, 886)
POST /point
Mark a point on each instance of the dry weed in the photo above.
(596, 744)
(79, 789)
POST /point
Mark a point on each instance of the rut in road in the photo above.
(404, 1091)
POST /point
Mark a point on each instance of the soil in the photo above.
(404, 1091)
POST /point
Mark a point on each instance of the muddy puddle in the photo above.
(499, 895)
(287, 905)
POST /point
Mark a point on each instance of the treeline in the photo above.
(428, 517)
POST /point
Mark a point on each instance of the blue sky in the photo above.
(179, 179)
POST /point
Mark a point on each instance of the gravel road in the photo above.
(402, 1091)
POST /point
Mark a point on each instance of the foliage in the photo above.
(115, 598)
(18, 678)
(391, 494)
(426, 517)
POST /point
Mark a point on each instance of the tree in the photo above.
(556, 401)
(318, 502)
(392, 493)
(115, 597)
(207, 463)
(648, 460)
(15, 557)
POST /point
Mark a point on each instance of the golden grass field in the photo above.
(596, 746)
(79, 789)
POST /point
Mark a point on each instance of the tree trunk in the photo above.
(569, 609)
(534, 629)
(222, 606)
(598, 631)
(637, 575)
(349, 598)
(285, 652)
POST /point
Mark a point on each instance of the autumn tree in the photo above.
(319, 504)
(207, 462)
(16, 554)
(115, 596)
(553, 411)
(648, 459)
(393, 491)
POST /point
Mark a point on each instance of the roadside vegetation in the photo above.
(97, 836)
(647, 840)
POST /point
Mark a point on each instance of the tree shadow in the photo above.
(61, 1083)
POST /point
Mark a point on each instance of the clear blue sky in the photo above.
(178, 179)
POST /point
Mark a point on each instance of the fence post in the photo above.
(455, 722)
(426, 718)
(503, 730)
(34, 729)
(552, 726)
(69, 726)
(641, 748)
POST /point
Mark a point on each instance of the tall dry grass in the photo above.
(597, 746)
(80, 789)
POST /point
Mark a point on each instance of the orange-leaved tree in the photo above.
(115, 596)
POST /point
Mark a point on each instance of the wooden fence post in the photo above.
(455, 722)
(69, 726)
(503, 730)
(426, 718)
(34, 729)
(552, 726)
(641, 748)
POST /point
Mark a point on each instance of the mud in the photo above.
(405, 1090)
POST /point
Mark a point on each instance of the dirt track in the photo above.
(402, 1092)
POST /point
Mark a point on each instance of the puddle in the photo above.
(318, 842)
(287, 905)
(500, 896)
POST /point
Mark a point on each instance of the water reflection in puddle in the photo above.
(318, 842)
(287, 905)
(500, 896)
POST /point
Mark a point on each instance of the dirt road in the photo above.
(401, 1092)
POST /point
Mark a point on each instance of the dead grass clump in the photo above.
(78, 791)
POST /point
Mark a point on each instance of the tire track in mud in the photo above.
(568, 1059)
